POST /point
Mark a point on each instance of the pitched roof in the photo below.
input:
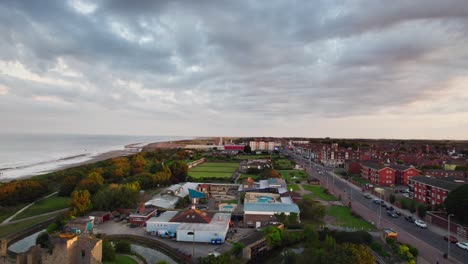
(193, 216)
(447, 183)
(196, 194)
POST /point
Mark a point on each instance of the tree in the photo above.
(179, 171)
(44, 241)
(68, 185)
(92, 183)
(247, 149)
(108, 251)
(311, 210)
(269, 173)
(273, 235)
(237, 248)
(123, 247)
(392, 198)
(359, 253)
(421, 210)
(138, 163)
(457, 203)
(81, 202)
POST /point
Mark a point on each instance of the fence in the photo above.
(440, 219)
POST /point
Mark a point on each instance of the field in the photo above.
(260, 156)
(294, 187)
(283, 164)
(318, 193)
(214, 170)
(8, 211)
(12, 228)
(121, 259)
(50, 204)
(344, 218)
(360, 180)
(289, 174)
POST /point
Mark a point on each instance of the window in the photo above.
(83, 253)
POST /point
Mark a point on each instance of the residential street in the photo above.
(429, 241)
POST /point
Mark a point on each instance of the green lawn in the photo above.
(12, 228)
(210, 174)
(294, 187)
(289, 174)
(360, 180)
(283, 164)
(8, 211)
(219, 164)
(244, 157)
(214, 169)
(318, 193)
(50, 204)
(121, 259)
(344, 218)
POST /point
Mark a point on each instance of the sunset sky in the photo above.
(367, 69)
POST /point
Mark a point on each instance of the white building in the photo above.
(262, 145)
(192, 225)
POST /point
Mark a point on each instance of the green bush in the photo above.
(358, 237)
(108, 251)
(123, 247)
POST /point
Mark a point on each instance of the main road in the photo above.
(431, 245)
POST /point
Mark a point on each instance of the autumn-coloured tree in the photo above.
(21, 191)
(179, 171)
(120, 167)
(80, 202)
(138, 163)
(92, 183)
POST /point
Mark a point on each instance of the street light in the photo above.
(193, 243)
(448, 237)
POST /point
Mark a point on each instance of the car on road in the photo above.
(463, 245)
(390, 208)
(410, 219)
(367, 196)
(420, 224)
(377, 201)
(452, 239)
(384, 205)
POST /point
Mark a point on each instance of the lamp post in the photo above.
(193, 243)
(380, 210)
(448, 237)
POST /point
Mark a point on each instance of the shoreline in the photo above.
(129, 149)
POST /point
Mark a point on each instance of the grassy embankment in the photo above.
(318, 193)
(121, 259)
(49, 204)
(344, 218)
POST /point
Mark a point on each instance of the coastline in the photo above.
(129, 149)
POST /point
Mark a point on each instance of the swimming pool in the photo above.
(264, 199)
(228, 207)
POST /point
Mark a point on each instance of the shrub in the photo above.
(123, 247)
(392, 198)
(108, 251)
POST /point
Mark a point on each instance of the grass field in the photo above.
(13, 228)
(283, 164)
(121, 259)
(344, 218)
(244, 157)
(318, 193)
(6, 212)
(360, 180)
(294, 187)
(289, 174)
(50, 204)
(214, 170)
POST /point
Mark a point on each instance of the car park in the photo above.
(409, 218)
(420, 224)
(463, 245)
(452, 239)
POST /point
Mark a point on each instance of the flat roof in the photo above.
(447, 183)
(203, 227)
(163, 218)
(271, 207)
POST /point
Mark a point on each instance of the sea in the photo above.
(24, 155)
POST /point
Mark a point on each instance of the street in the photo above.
(430, 244)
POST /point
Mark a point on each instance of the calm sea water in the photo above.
(33, 154)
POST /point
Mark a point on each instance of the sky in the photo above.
(349, 69)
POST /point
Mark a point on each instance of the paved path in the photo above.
(36, 216)
(24, 208)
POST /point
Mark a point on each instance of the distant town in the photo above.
(247, 200)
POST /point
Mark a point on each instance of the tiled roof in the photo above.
(443, 183)
(272, 207)
(193, 216)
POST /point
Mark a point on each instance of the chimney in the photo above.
(142, 208)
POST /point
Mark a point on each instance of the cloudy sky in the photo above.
(251, 68)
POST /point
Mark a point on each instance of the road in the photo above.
(430, 244)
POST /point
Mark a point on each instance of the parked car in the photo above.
(420, 224)
(409, 218)
(383, 204)
(397, 212)
(368, 196)
(452, 239)
(376, 201)
(463, 245)
(390, 208)
(406, 195)
(392, 214)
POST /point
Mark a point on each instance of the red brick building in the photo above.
(432, 191)
(378, 174)
(142, 215)
(403, 173)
